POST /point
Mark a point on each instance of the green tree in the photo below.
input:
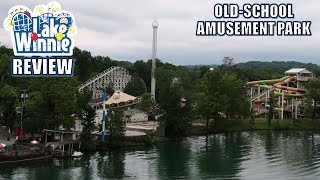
(211, 100)
(203, 70)
(83, 64)
(5, 74)
(147, 103)
(53, 101)
(33, 121)
(313, 98)
(203, 107)
(143, 70)
(271, 108)
(86, 114)
(228, 61)
(252, 114)
(174, 85)
(8, 103)
(233, 93)
(222, 93)
(6, 50)
(115, 124)
(135, 87)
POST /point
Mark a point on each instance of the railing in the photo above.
(98, 76)
(253, 99)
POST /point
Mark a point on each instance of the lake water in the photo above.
(240, 155)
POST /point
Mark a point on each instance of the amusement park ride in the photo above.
(287, 92)
(116, 77)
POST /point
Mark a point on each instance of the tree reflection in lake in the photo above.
(111, 164)
(223, 156)
(173, 159)
(238, 155)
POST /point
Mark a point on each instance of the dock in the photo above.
(68, 141)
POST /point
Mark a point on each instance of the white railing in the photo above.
(253, 99)
(96, 77)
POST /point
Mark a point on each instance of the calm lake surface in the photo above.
(240, 155)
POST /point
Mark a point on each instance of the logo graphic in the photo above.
(46, 31)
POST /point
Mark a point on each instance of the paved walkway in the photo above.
(134, 133)
(142, 126)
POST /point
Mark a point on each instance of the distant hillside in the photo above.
(283, 65)
(255, 70)
(274, 69)
(202, 65)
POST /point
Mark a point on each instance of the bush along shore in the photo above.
(222, 126)
(198, 128)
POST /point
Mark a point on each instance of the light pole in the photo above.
(104, 114)
(23, 96)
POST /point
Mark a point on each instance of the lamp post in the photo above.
(104, 114)
(23, 97)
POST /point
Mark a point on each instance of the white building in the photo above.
(302, 74)
(135, 115)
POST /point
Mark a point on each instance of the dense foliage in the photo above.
(147, 103)
(136, 86)
(8, 99)
(115, 124)
(312, 103)
(211, 92)
(222, 94)
(86, 114)
(274, 69)
(174, 85)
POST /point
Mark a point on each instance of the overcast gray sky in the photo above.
(122, 30)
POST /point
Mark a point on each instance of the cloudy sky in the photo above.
(122, 30)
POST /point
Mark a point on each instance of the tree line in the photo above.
(210, 92)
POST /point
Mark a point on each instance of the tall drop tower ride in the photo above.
(155, 26)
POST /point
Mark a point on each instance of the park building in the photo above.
(135, 115)
(302, 74)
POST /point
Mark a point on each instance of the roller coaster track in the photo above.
(116, 77)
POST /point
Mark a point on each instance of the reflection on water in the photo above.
(241, 155)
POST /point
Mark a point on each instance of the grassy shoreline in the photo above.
(259, 124)
(224, 126)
